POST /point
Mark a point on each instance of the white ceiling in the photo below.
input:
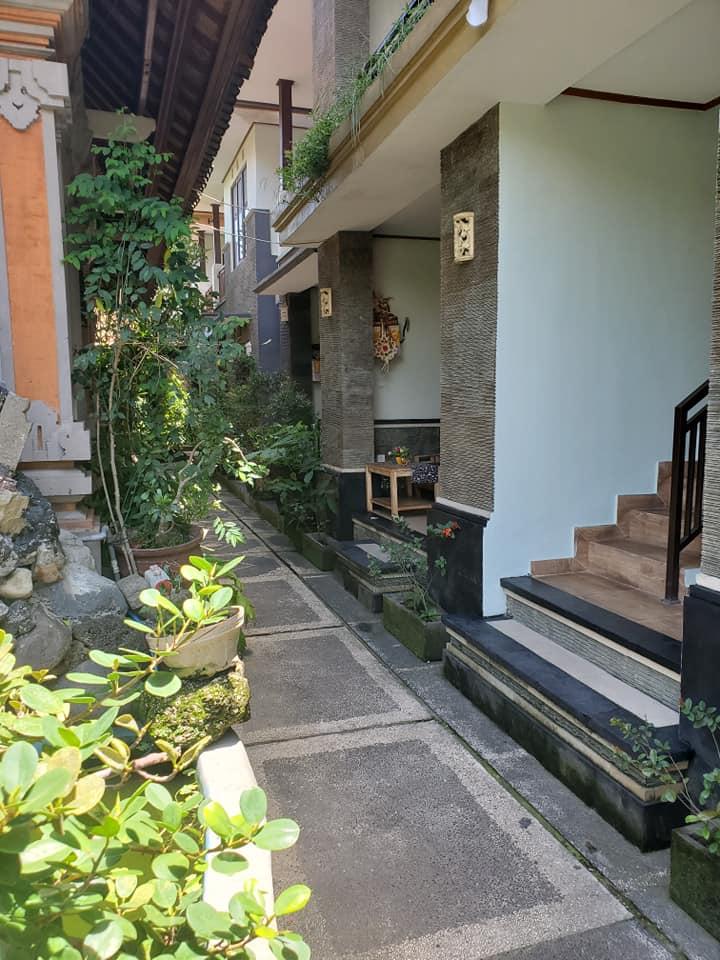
(285, 52)
(677, 60)
(420, 219)
(532, 53)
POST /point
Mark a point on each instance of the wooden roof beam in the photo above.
(169, 92)
(147, 55)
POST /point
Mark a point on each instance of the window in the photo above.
(238, 203)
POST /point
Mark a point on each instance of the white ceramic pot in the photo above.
(211, 650)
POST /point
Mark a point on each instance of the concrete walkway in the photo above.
(412, 845)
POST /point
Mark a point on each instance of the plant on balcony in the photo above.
(309, 160)
(101, 860)
(158, 364)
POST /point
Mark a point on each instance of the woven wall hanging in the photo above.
(387, 335)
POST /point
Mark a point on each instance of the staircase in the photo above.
(622, 566)
(589, 639)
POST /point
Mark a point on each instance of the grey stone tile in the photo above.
(332, 592)
(259, 564)
(299, 564)
(284, 604)
(621, 941)
(385, 645)
(322, 681)
(414, 851)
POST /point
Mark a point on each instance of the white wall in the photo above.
(605, 284)
(260, 153)
(383, 14)
(408, 271)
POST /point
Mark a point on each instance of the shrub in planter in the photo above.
(295, 477)
(203, 635)
(415, 619)
(695, 856)
(158, 365)
(100, 860)
(319, 549)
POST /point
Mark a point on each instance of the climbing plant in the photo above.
(158, 363)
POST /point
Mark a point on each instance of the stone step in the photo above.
(632, 652)
(367, 573)
(560, 707)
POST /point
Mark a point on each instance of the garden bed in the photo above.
(695, 879)
(320, 550)
(425, 638)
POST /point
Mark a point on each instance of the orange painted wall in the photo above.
(28, 256)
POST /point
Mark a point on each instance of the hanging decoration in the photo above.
(387, 335)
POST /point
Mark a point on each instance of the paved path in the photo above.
(412, 847)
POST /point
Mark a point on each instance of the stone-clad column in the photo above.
(341, 30)
(468, 306)
(701, 632)
(347, 375)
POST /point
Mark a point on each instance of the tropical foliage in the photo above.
(100, 859)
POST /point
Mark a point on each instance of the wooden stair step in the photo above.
(635, 562)
(647, 525)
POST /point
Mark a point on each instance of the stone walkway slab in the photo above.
(322, 681)
(413, 850)
(284, 604)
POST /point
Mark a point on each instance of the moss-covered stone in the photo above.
(426, 639)
(695, 879)
(317, 549)
(203, 708)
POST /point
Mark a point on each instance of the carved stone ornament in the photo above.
(28, 85)
(326, 308)
(464, 236)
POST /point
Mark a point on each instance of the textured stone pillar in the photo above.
(341, 30)
(347, 384)
(701, 630)
(468, 312)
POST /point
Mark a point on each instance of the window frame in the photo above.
(238, 210)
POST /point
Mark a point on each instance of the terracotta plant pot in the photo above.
(210, 651)
(169, 558)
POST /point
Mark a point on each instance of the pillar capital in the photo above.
(27, 86)
(43, 29)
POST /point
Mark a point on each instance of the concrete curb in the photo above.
(224, 772)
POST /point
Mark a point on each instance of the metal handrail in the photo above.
(687, 483)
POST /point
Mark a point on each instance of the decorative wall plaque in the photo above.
(464, 236)
(326, 307)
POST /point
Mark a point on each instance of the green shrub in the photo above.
(158, 365)
(100, 860)
(258, 402)
(295, 475)
(652, 758)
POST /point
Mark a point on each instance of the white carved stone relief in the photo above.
(326, 307)
(28, 85)
(464, 236)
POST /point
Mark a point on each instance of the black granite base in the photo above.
(648, 825)
(700, 673)
(349, 500)
(460, 589)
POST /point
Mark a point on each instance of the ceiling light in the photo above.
(477, 13)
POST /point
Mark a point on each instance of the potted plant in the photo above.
(414, 618)
(198, 631)
(399, 455)
(695, 848)
(156, 369)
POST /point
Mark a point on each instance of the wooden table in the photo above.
(394, 503)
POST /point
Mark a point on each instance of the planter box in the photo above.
(425, 639)
(695, 879)
(317, 548)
